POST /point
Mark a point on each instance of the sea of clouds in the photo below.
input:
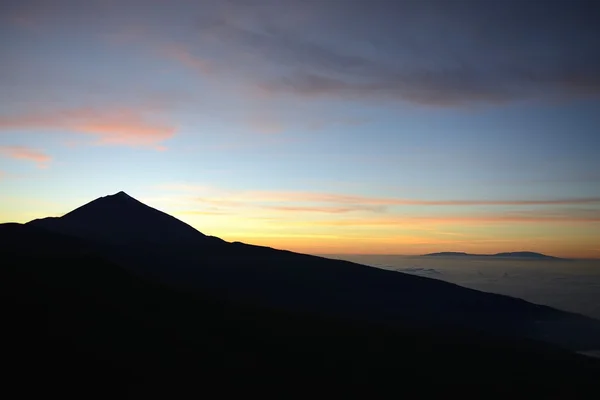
(570, 285)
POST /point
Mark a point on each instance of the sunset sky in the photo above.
(320, 126)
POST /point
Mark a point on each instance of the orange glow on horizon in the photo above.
(414, 246)
(333, 230)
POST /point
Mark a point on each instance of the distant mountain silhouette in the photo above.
(127, 296)
(515, 254)
(448, 254)
(525, 254)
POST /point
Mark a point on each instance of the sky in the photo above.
(338, 126)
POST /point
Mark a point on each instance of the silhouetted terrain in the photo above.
(514, 254)
(136, 302)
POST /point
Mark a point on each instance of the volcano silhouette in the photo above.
(121, 219)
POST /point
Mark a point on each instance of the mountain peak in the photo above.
(120, 194)
(121, 218)
(112, 205)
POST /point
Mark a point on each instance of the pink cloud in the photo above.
(290, 205)
(482, 219)
(182, 55)
(316, 209)
(344, 202)
(309, 197)
(27, 154)
(121, 126)
(178, 52)
(349, 199)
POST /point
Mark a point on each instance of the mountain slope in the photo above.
(302, 283)
(75, 321)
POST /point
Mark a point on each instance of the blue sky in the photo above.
(310, 125)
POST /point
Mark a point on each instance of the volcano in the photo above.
(120, 218)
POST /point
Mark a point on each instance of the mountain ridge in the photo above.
(514, 254)
(304, 283)
(116, 332)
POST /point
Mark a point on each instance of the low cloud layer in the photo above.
(568, 285)
(419, 271)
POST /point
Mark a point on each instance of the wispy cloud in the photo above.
(27, 154)
(119, 126)
(378, 49)
(184, 56)
(177, 52)
(463, 220)
(326, 210)
(259, 114)
(357, 211)
(421, 51)
(235, 197)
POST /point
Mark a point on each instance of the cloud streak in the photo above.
(308, 197)
(120, 126)
(223, 197)
(353, 211)
(326, 210)
(477, 219)
(427, 51)
(184, 56)
(26, 154)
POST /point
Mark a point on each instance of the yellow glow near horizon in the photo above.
(300, 236)
(360, 232)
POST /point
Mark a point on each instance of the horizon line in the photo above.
(473, 254)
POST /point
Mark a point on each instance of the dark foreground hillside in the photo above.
(77, 324)
(156, 246)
